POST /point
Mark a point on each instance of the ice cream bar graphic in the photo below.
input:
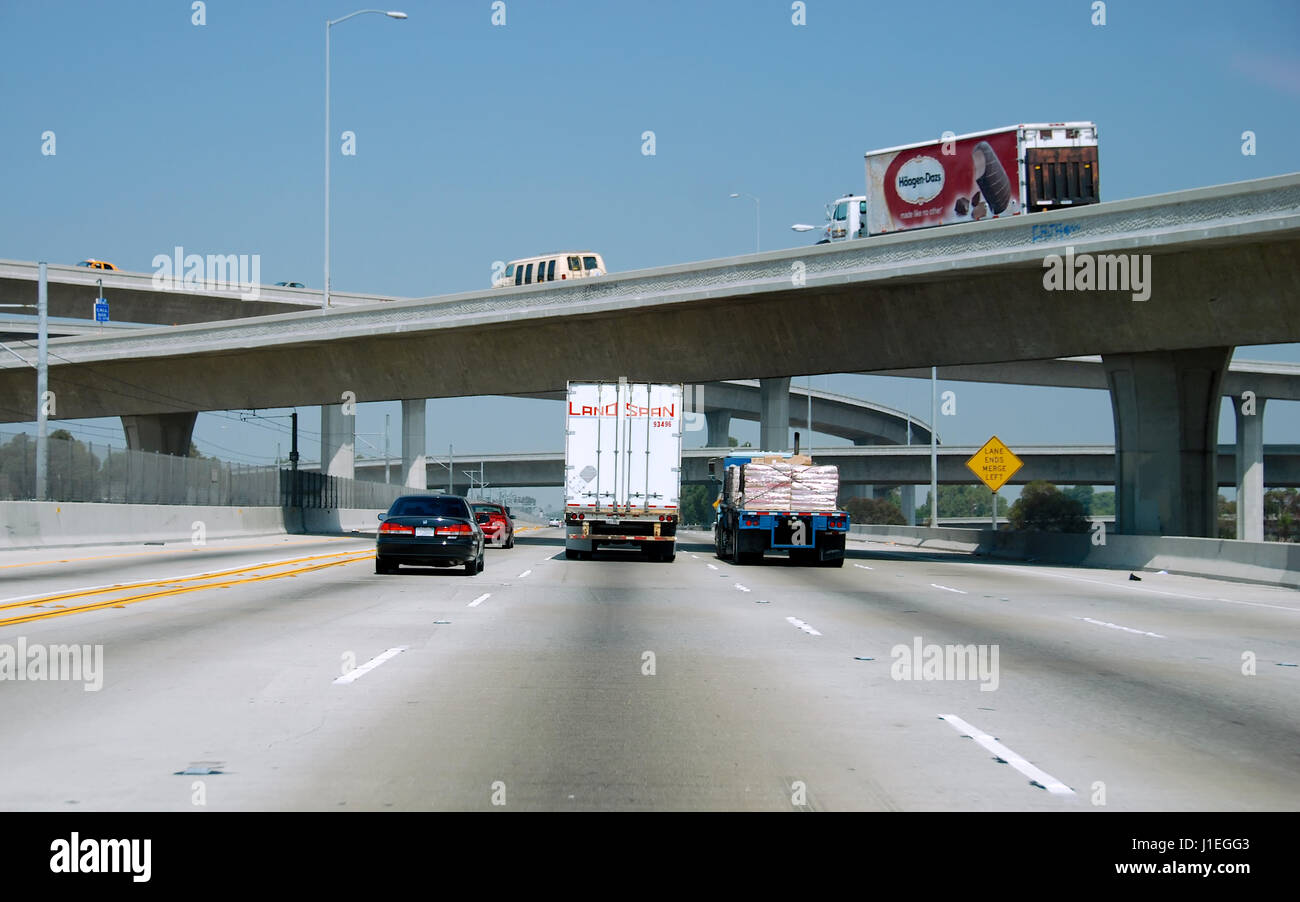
(991, 177)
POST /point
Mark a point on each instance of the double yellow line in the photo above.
(175, 586)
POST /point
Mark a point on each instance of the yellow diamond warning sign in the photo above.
(994, 464)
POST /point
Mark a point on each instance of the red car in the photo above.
(498, 529)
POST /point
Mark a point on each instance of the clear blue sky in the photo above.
(478, 143)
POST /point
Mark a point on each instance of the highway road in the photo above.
(310, 683)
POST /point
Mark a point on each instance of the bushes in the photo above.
(874, 510)
(1042, 507)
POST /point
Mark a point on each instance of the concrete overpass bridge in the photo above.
(1224, 270)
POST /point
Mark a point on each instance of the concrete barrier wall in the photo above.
(26, 524)
(1271, 563)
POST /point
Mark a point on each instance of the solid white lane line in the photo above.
(1128, 586)
(863, 567)
(949, 589)
(741, 588)
(803, 626)
(370, 665)
(478, 601)
(522, 575)
(1127, 629)
(1044, 779)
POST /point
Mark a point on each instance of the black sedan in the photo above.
(432, 530)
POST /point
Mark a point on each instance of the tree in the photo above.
(874, 510)
(1103, 504)
(18, 467)
(1282, 515)
(1227, 518)
(1081, 493)
(966, 501)
(697, 503)
(73, 473)
(1042, 507)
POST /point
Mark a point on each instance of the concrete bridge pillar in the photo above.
(337, 442)
(719, 426)
(907, 499)
(165, 433)
(1166, 409)
(774, 414)
(1250, 469)
(415, 471)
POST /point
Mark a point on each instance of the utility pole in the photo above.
(934, 448)
(42, 385)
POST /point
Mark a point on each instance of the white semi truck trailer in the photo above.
(622, 467)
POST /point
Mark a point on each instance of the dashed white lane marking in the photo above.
(949, 589)
(694, 558)
(863, 567)
(1127, 629)
(741, 588)
(803, 626)
(711, 566)
(1042, 778)
(370, 665)
(522, 575)
(478, 601)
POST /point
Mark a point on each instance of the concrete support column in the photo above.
(337, 442)
(774, 414)
(1166, 409)
(1250, 469)
(415, 471)
(907, 499)
(719, 426)
(165, 433)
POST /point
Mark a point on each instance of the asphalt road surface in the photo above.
(283, 673)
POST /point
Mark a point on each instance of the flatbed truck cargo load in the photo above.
(622, 468)
(1027, 168)
(779, 502)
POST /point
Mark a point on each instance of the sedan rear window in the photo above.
(432, 506)
(487, 509)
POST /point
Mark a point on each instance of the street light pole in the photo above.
(42, 383)
(329, 23)
(757, 216)
(934, 452)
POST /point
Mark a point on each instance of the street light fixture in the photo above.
(756, 215)
(329, 23)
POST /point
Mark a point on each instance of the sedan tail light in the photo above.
(396, 529)
(454, 529)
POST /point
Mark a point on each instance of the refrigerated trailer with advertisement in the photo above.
(1026, 168)
(622, 467)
